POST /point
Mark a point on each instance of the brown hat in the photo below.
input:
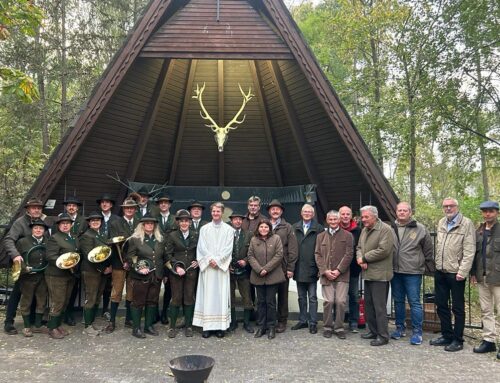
(129, 202)
(33, 201)
(275, 202)
(196, 204)
(182, 214)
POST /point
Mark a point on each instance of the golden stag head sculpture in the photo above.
(221, 133)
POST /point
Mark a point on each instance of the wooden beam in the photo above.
(220, 104)
(182, 120)
(149, 121)
(298, 134)
(260, 95)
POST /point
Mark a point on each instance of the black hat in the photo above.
(129, 202)
(236, 214)
(489, 205)
(105, 197)
(39, 222)
(64, 217)
(94, 215)
(275, 202)
(182, 214)
(148, 218)
(164, 197)
(144, 191)
(72, 199)
(195, 203)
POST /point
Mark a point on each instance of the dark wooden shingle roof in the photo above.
(143, 124)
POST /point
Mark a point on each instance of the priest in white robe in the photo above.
(212, 309)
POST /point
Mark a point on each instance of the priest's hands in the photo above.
(213, 264)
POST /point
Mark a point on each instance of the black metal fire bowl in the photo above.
(191, 368)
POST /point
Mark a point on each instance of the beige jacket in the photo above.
(455, 249)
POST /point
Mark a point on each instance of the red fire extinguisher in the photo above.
(361, 320)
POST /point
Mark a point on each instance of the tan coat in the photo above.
(376, 248)
(334, 252)
(455, 249)
(266, 255)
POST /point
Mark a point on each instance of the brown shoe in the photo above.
(327, 333)
(281, 327)
(62, 331)
(40, 330)
(27, 332)
(340, 334)
(55, 334)
(110, 327)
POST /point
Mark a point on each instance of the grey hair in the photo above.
(451, 199)
(406, 204)
(371, 209)
(334, 213)
(308, 205)
(254, 198)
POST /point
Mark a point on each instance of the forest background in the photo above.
(419, 78)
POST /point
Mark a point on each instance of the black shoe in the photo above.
(260, 331)
(206, 334)
(70, 321)
(313, 329)
(441, 341)
(379, 342)
(248, 328)
(455, 345)
(369, 335)
(138, 333)
(233, 326)
(128, 324)
(219, 334)
(151, 331)
(10, 329)
(188, 332)
(164, 319)
(281, 327)
(485, 347)
(272, 333)
(299, 325)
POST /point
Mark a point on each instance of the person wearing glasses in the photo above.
(455, 249)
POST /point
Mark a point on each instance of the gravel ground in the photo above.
(292, 357)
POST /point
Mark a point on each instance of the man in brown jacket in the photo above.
(290, 254)
(374, 255)
(333, 255)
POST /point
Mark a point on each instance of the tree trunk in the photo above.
(480, 129)
(64, 80)
(379, 145)
(42, 103)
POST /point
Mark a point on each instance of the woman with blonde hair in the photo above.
(146, 255)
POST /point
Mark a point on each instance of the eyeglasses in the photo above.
(449, 206)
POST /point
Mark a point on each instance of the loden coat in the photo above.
(142, 250)
(487, 269)
(60, 243)
(376, 248)
(289, 242)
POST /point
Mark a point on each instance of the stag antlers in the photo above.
(221, 132)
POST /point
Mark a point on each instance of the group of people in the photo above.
(201, 264)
